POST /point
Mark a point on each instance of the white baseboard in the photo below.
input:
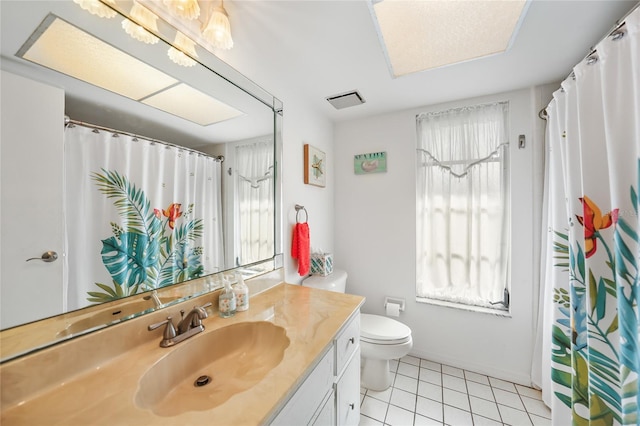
(465, 364)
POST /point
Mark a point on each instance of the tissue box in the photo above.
(321, 264)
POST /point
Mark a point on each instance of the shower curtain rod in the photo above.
(619, 23)
(68, 120)
(612, 30)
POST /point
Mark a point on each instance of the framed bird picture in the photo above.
(315, 166)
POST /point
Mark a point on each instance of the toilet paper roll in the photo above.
(393, 309)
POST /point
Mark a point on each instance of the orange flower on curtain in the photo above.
(172, 213)
(593, 221)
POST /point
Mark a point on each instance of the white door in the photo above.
(31, 214)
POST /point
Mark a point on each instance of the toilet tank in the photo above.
(336, 281)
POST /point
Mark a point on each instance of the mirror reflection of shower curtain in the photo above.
(139, 215)
(254, 210)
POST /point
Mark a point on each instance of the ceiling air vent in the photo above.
(345, 100)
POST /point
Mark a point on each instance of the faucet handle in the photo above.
(169, 331)
(201, 313)
(206, 305)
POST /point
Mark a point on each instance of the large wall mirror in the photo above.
(133, 176)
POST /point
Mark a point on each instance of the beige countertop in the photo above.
(46, 388)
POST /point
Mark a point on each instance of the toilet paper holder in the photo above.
(395, 300)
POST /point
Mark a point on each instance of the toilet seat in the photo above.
(380, 330)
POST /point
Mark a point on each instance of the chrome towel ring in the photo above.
(298, 209)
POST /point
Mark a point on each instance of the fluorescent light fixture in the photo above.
(69, 50)
(183, 100)
(62, 47)
(420, 35)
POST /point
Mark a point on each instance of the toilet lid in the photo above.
(379, 329)
(333, 282)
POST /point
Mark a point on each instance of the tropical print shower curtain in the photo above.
(139, 215)
(592, 288)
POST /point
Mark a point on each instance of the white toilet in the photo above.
(381, 338)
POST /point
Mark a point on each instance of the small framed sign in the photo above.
(374, 162)
(314, 166)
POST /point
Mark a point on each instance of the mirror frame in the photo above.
(27, 338)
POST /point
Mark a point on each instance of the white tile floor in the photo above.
(428, 393)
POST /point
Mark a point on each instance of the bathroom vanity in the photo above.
(330, 395)
(307, 373)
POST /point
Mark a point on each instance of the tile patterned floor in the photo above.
(428, 393)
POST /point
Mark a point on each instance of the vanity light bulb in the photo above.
(187, 9)
(147, 19)
(218, 29)
(95, 7)
(139, 33)
(180, 58)
(183, 45)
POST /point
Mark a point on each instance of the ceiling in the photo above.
(303, 51)
(313, 49)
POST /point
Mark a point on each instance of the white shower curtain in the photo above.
(591, 289)
(139, 215)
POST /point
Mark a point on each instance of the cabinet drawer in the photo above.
(348, 393)
(347, 342)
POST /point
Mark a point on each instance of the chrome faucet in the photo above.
(189, 325)
(153, 296)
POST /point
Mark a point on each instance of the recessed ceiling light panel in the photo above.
(186, 102)
(65, 48)
(421, 35)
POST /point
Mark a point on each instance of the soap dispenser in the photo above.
(242, 293)
(227, 300)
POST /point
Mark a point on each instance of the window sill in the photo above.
(471, 308)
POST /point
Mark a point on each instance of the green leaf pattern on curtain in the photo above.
(150, 248)
(595, 352)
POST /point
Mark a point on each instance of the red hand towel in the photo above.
(300, 247)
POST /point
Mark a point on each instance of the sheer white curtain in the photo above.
(255, 202)
(462, 204)
(590, 292)
(139, 215)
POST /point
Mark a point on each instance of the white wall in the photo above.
(375, 239)
(302, 125)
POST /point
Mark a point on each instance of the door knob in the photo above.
(48, 256)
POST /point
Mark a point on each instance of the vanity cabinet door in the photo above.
(330, 395)
(304, 404)
(327, 415)
(348, 393)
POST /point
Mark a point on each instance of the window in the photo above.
(463, 206)
(253, 216)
